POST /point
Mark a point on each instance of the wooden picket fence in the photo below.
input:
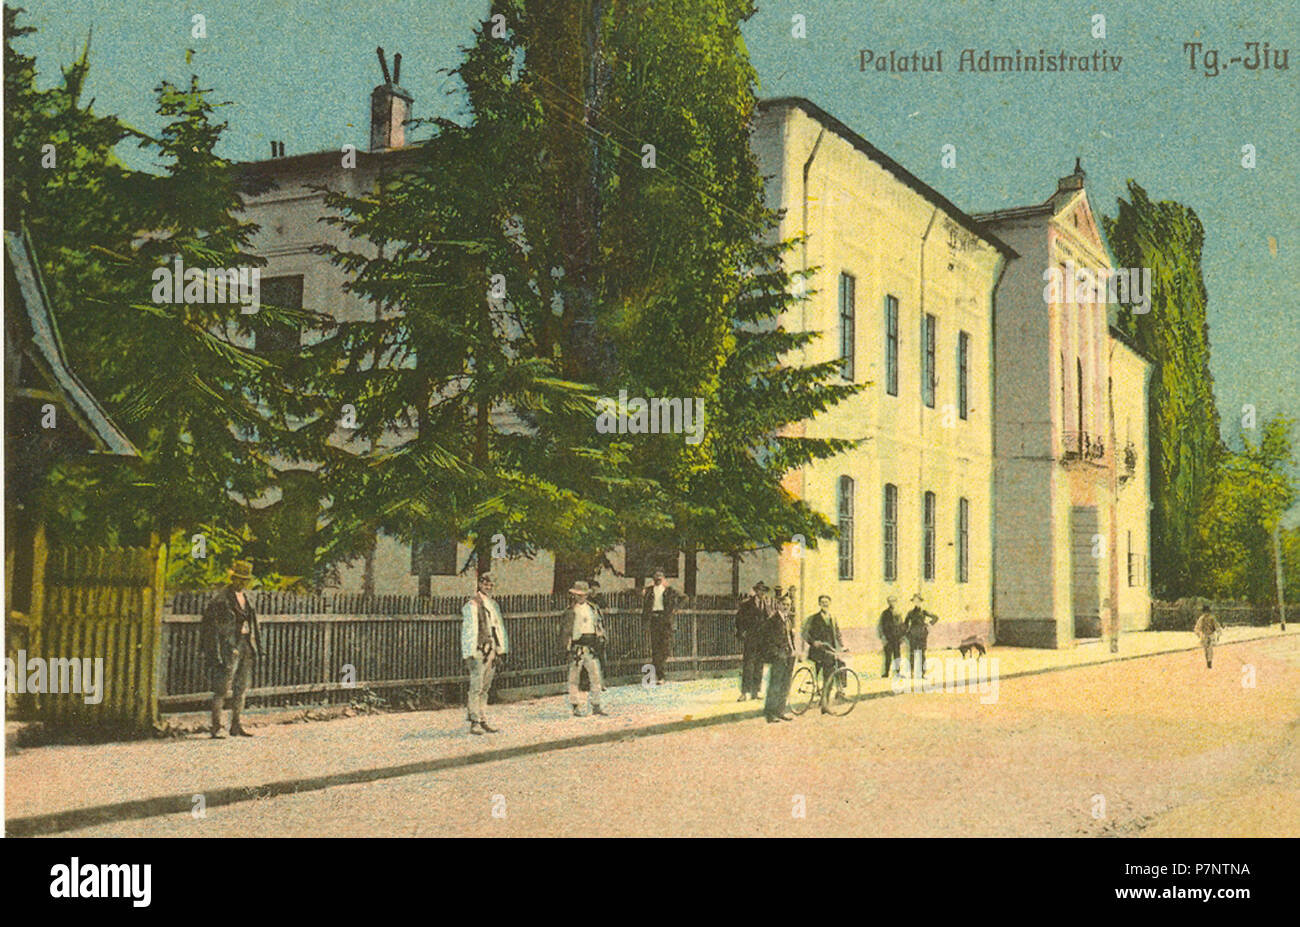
(334, 647)
(98, 609)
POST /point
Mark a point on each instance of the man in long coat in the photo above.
(779, 653)
(917, 626)
(754, 611)
(230, 642)
(890, 630)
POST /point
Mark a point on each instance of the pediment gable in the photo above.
(1077, 218)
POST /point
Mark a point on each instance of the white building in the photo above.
(1071, 495)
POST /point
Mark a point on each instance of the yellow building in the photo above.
(902, 291)
(903, 297)
(1071, 495)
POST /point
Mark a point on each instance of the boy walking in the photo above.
(1209, 631)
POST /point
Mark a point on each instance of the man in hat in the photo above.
(584, 639)
(231, 644)
(917, 627)
(482, 642)
(778, 633)
(659, 603)
(755, 609)
(890, 630)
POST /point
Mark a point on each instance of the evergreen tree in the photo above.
(1184, 423)
(209, 414)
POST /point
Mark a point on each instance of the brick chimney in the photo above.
(390, 107)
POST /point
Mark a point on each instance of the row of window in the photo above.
(929, 339)
(845, 505)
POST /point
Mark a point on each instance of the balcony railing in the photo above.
(1082, 446)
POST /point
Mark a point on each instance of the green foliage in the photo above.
(1234, 535)
(1184, 423)
(207, 412)
(660, 280)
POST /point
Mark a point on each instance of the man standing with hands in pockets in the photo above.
(482, 642)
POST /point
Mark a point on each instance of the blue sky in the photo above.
(302, 72)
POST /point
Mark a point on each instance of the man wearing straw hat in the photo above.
(584, 637)
(482, 640)
(230, 643)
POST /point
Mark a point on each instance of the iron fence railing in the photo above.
(332, 647)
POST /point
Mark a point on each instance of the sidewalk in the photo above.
(49, 789)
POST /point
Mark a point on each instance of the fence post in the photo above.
(153, 639)
(327, 652)
(695, 641)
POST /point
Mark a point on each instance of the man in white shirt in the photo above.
(482, 640)
(659, 604)
(584, 637)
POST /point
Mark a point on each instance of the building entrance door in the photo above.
(1085, 571)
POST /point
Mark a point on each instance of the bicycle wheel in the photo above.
(842, 692)
(803, 690)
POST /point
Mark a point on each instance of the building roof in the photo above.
(317, 160)
(43, 348)
(1015, 212)
(906, 177)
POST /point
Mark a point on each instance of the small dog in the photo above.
(972, 645)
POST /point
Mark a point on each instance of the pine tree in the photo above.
(209, 414)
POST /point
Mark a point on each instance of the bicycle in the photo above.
(837, 696)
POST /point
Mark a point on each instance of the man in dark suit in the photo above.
(779, 652)
(821, 635)
(917, 626)
(890, 630)
(754, 611)
(659, 604)
(230, 644)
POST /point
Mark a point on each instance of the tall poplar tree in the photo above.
(1182, 417)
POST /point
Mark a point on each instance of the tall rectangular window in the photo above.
(928, 551)
(891, 345)
(847, 297)
(963, 374)
(1132, 566)
(845, 507)
(282, 293)
(891, 532)
(929, 324)
(963, 540)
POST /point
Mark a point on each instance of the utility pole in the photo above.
(1277, 565)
